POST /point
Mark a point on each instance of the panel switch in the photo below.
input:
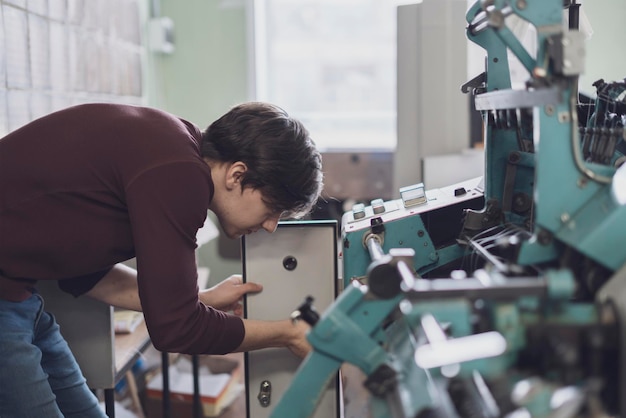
(378, 206)
(413, 195)
(358, 211)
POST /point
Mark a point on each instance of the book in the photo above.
(219, 382)
(126, 321)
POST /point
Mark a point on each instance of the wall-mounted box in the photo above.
(161, 35)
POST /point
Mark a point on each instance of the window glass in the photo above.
(331, 64)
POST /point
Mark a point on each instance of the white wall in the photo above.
(433, 113)
(605, 53)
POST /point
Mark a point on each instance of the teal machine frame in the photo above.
(524, 312)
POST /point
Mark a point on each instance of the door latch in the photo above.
(265, 393)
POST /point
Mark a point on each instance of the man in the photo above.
(88, 187)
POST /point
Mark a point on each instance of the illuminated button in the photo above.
(413, 195)
(378, 206)
(358, 211)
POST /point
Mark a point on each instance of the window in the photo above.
(331, 64)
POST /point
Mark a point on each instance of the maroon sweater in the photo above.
(93, 185)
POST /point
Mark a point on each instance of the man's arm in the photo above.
(265, 334)
(118, 288)
(258, 334)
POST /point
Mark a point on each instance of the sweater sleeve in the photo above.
(167, 205)
(77, 286)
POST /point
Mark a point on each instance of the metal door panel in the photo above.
(268, 259)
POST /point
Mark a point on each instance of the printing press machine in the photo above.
(503, 296)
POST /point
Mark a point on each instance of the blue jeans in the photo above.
(39, 376)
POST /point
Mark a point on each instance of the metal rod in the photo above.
(165, 366)
(574, 16)
(197, 405)
(109, 402)
(373, 246)
(433, 331)
(499, 265)
(408, 277)
(473, 288)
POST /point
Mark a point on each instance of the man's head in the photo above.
(280, 159)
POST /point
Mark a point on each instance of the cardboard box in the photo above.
(220, 380)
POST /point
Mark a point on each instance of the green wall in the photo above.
(204, 76)
(207, 72)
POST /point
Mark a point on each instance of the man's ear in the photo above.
(234, 174)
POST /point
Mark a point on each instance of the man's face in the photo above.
(246, 212)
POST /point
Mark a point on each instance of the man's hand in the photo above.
(228, 294)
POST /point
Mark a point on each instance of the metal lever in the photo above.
(306, 312)
(441, 351)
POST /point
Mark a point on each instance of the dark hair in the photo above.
(282, 160)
